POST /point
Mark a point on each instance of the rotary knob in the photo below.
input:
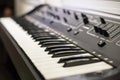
(85, 19)
(102, 20)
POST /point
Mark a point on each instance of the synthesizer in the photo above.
(64, 44)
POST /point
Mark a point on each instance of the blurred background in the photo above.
(19, 7)
(111, 6)
(6, 8)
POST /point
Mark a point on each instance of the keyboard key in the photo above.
(60, 46)
(52, 51)
(68, 53)
(53, 43)
(80, 56)
(52, 40)
(83, 61)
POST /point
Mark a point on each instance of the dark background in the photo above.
(4, 4)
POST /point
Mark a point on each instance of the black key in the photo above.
(53, 43)
(77, 62)
(41, 35)
(75, 57)
(51, 40)
(68, 53)
(48, 40)
(60, 46)
(34, 31)
(26, 25)
(62, 49)
(45, 38)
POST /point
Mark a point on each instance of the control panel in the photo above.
(95, 25)
(98, 34)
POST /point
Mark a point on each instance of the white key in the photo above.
(48, 66)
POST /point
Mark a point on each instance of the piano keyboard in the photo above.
(53, 56)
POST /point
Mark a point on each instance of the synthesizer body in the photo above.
(93, 32)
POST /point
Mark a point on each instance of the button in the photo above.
(101, 43)
(69, 29)
(76, 32)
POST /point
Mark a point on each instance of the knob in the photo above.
(85, 19)
(102, 21)
(64, 11)
(101, 43)
(51, 22)
(56, 9)
(96, 29)
(51, 14)
(65, 20)
(76, 32)
(57, 17)
(69, 29)
(68, 12)
(76, 16)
